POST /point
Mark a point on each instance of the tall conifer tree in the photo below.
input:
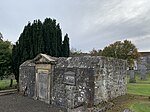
(38, 38)
(65, 46)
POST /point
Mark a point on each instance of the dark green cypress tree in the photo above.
(65, 46)
(47, 35)
(40, 42)
(53, 38)
(15, 60)
(59, 40)
(38, 38)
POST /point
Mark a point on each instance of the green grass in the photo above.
(147, 81)
(137, 98)
(140, 88)
(4, 84)
(140, 107)
(138, 80)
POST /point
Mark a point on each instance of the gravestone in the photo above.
(132, 76)
(143, 69)
(143, 72)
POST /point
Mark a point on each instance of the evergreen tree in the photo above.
(65, 46)
(59, 40)
(38, 38)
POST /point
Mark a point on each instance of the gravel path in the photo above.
(18, 103)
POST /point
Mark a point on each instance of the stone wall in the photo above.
(73, 82)
(93, 80)
(73, 86)
(110, 79)
(27, 78)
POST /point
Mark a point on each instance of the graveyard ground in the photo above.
(137, 99)
(19, 103)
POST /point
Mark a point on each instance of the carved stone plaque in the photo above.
(69, 78)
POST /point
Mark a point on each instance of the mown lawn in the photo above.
(140, 106)
(137, 98)
(141, 88)
(4, 84)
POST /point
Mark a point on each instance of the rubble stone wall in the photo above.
(88, 80)
(75, 81)
(110, 79)
(27, 80)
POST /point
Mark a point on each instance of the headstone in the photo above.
(127, 110)
(143, 74)
(132, 76)
(143, 70)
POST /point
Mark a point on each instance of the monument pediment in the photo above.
(43, 58)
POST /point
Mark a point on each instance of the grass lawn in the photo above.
(4, 84)
(140, 106)
(137, 98)
(139, 81)
(140, 88)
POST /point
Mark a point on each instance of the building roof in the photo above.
(49, 58)
(28, 63)
(44, 58)
(83, 61)
(145, 53)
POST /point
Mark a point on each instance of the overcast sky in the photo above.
(89, 23)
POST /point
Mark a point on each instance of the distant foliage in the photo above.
(38, 38)
(95, 52)
(122, 50)
(74, 52)
(65, 46)
(5, 58)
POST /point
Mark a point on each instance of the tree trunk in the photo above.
(11, 82)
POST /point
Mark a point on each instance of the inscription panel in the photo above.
(43, 85)
(69, 78)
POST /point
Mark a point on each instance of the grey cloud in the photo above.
(89, 23)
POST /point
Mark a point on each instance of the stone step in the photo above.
(6, 92)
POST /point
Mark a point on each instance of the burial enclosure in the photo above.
(74, 81)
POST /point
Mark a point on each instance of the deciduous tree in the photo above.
(122, 50)
(95, 52)
(5, 58)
